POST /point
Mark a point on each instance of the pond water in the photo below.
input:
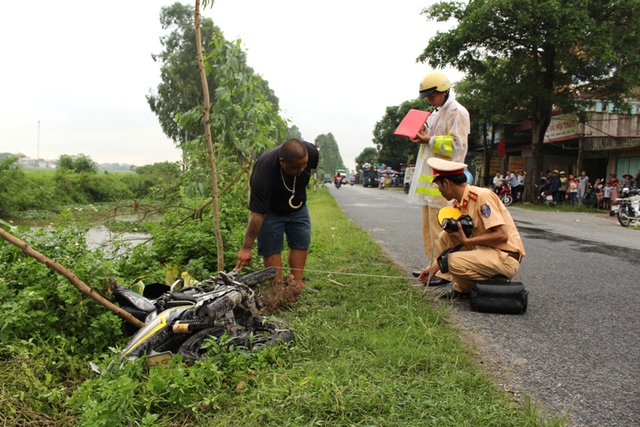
(98, 236)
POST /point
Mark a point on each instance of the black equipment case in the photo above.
(499, 297)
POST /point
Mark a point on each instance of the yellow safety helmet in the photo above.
(448, 212)
(434, 82)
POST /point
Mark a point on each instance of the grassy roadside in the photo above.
(370, 351)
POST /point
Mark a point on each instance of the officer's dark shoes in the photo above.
(439, 281)
(452, 295)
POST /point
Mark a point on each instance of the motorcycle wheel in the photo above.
(507, 200)
(191, 350)
(258, 277)
(263, 332)
(258, 334)
(623, 216)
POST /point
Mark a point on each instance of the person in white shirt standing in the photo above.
(445, 136)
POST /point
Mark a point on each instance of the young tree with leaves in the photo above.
(241, 116)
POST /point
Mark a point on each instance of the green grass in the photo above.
(369, 351)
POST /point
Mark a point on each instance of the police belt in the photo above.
(514, 255)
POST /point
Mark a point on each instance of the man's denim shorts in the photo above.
(297, 228)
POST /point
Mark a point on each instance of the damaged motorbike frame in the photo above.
(179, 321)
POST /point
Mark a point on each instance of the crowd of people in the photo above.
(574, 189)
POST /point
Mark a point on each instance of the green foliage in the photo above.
(159, 181)
(292, 133)
(85, 187)
(394, 150)
(154, 396)
(42, 192)
(44, 303)
(368, 155)
(80, 163)
(330, 158)
(193, 243)
(21, 192)
(38, 379)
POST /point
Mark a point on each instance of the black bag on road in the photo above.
(499, 297)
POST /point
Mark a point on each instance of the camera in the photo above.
(451, 225)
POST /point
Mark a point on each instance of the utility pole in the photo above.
(38, 149)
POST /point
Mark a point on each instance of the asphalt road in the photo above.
(577, 348)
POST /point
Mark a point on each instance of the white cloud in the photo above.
(83, 69)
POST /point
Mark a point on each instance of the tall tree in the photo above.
(292, 133)
(561, 52)
(330, 158)
(395, 150)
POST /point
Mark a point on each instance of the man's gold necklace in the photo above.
(292, 190)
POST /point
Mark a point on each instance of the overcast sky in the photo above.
(75, 74)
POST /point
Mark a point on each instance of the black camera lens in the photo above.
(449, 224)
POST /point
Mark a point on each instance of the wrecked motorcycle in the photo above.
(179, 321)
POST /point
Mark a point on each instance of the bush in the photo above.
(44, 305)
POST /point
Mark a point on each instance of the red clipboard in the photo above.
(412, 123)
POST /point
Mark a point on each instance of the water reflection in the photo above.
(99, 236)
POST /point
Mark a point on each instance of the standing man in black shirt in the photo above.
(278, 207)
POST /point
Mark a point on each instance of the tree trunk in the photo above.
(541, 110)
(29, 251)
(215, 205)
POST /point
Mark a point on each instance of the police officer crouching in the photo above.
(493, 245)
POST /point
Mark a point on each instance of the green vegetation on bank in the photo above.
(369, 349)
(39, 193)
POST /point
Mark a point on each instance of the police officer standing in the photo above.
(445, 136)
(493, 246)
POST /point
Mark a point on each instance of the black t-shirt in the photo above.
(268, 192)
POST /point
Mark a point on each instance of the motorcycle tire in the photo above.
(261, 332)
(623, 216)
(507, 200)
(258, 333)
(258, 277)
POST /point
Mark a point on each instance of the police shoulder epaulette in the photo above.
(473, 196)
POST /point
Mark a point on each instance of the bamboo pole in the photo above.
(86, 290)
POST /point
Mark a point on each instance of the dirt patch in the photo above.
(279, 294)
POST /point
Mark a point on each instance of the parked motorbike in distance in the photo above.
(546, 197)
(505, 194)
(628, 207)
(178, 321)
(615, 203)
